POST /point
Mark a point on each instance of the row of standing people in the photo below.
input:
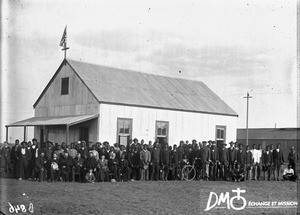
(151, 162)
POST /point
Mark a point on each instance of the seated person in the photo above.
(113, 166)
(53, 168)
(103, 168)
(238, 173)
(288, 174)
(40, 166)
(124, 169)
(90, 163)
(90, 177)
(65, 163)
(78, 163)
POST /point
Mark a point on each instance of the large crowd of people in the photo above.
(99, 162)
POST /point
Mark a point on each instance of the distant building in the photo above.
(84, 101)
(266, 136)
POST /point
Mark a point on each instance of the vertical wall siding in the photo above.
(182, 125)
(79, 101)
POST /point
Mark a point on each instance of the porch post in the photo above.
(6, 135)
(25, 135)
(67, 134)
(44, 134)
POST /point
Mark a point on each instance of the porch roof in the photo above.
(53, 120)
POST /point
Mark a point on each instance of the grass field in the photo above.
(171, 197)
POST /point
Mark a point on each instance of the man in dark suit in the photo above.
(223, 158)
(248, 163)
(156, 160)
(240, 156)
(176, 159)
(214, 162)
(91, 163)
(66, 164)
(267, 160)
(278, 160)
(124, 170)
(205, 160)
(293, 158)
(15, 159)
(232, 156)
(272, 165)
(35, 152)
(165, 161)
(6, 155)
(40, 167)
(134, 162)
(23, 155)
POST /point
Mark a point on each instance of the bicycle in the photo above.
(188, 172)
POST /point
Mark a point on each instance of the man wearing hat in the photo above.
(6, 154)
(240, 156)
(206, 160)
(15, 159)
(83, 150)
(223, 158)
(23, 155)
(232, 156)
(214, 161)
(248, 163)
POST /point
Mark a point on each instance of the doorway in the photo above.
(84, 133)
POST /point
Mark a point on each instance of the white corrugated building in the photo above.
(83, 101)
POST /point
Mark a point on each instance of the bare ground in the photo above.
(172, 197)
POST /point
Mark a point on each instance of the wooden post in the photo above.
(25, 135)
(44, 134)
(247, 137)
(67, 135)
(6, 135)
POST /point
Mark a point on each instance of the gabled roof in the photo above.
(118, 86)
(269, 133)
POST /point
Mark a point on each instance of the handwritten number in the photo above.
(11, 208)
(31, 208)
(17, 208)
(23, 208)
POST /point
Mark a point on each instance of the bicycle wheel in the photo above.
(188, 173)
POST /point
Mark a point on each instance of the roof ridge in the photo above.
(130, 70)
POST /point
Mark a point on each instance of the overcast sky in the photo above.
(232, 46)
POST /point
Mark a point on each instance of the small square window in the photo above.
(64, 86)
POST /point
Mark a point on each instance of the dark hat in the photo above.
(231, 143)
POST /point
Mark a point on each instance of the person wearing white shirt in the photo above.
(256, 153)
(288, 174)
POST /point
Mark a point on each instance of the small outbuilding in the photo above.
(286, 137)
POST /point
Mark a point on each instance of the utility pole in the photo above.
(247, 97)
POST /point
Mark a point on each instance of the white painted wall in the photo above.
(182, 125)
